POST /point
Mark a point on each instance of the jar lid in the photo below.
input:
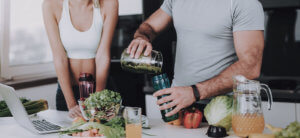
(86, 77)
(159, 77)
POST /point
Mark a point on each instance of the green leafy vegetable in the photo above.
(117, 123)
(107, 131)
(218, 112)
(103, 105)
(291, 131)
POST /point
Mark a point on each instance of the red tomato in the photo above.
(192, 118)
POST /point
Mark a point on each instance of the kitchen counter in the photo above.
(10, 129)
(278, 96)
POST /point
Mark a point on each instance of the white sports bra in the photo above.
(80, 45)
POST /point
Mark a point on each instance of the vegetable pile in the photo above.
(218, 112)
(102, 105)
(111, 129)
(291, 131)
(101, 109)
(190, 118)
(31, 107)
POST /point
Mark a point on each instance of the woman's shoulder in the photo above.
(52, 5)
(109, 5)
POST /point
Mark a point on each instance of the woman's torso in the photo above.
(80, 33)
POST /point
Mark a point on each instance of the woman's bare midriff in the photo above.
(78, 66)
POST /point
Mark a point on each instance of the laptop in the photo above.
(33, 124)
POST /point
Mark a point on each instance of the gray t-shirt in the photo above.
(205, 35)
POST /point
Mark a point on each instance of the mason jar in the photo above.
(151, 64)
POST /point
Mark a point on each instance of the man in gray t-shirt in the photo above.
(216, 39)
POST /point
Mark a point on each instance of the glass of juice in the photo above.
(133, 121)
(247, 116)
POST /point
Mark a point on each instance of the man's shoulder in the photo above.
(245, 3)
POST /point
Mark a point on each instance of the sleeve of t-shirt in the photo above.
(167, 7)
(247, 15)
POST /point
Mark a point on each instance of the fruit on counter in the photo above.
(273, 129)
(291, 131)
(192, 118)
(261, 136)
(176, 122)
(179, 121)
(216, 132)
(31, 107)
(218, 111)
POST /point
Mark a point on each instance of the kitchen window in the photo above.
(25, 50)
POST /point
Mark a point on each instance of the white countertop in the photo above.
(10, 129)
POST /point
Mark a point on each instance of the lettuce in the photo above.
(104, 105)
(107, 131)
(219, 111)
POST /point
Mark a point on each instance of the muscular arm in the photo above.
(103, 52)
(59, 55)
(147, 31)
(249, 49)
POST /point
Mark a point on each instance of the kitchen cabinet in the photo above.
(152, 109)
(281, 114)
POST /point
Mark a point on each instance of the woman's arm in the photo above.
(59, 55)
(110, 9)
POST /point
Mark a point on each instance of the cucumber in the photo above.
(31, 107)
(5, 113)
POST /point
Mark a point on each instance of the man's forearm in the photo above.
(223, 82)
(146, 32)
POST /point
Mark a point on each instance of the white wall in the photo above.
(130, 7)
(298, 112)
(46, 92)
(297, 33)
(281, 114)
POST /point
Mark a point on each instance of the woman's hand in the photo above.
(75, 112)
(180, 97)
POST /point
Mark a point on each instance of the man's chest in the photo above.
(207, 17)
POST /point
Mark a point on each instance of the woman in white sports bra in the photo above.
(80, 34)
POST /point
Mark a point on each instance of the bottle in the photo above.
(162, 82)
(86, 85)
(151, 64)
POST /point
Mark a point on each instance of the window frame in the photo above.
(7, 71)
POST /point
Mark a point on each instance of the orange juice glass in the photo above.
(133, 120)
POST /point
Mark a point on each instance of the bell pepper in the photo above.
(192, 118)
